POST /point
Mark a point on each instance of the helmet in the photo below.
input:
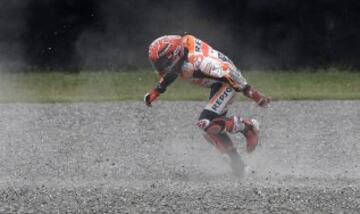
(165, 52)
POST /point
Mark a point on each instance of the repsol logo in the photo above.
(221, 99)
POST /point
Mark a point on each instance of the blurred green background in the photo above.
(122, 85)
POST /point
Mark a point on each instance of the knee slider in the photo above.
(203, 124)
(215, 126)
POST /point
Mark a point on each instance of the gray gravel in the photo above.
(126, 158)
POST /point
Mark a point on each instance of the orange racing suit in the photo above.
(207, 67)
(204, 66)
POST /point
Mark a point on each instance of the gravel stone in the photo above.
(123, 157)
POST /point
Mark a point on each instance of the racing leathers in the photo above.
(204, 66)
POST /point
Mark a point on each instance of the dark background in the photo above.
(110, 34)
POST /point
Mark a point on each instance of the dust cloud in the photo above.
(124, 42)
(12, 24)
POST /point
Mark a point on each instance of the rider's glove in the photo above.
(256, 96)
(150, 97)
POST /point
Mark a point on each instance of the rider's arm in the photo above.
(228, 73)
(165, 81)
(160, 88)
(256, 96)
(222, 71)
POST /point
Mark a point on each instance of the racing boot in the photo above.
(248, 127)
(251, 133)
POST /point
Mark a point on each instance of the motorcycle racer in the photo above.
(189, 58)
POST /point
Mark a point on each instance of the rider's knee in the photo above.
(215, 126)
